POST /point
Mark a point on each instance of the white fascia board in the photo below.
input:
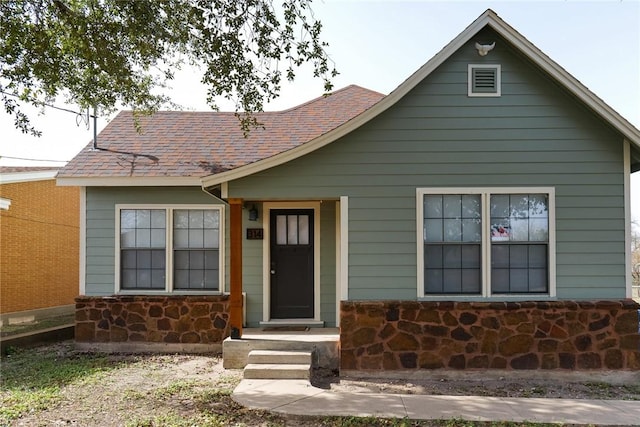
(565, 78)
(14, 177)
(129, 181)
(488, 18)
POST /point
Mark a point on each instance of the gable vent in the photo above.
(484, 80)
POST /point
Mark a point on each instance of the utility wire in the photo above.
(33, 160)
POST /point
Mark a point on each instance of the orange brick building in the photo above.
(39, 244)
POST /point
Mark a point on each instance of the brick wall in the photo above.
(405, 335)
(152, 319)
(39, 246)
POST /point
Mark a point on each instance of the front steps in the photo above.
(277, 364)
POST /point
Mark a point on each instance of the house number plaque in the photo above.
(255, 233)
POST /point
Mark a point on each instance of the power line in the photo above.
(32, 160)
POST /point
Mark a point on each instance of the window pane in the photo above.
(128, 259)
(451, 205)
(128, 279)
(181, 238)
(452, 281)
(181, 260)
(157, 279)
(471, 206)
(181, 279)
(211, 238)
(433, 256)
(471, 282)
(211, 279)
(538, 230)
(519, 230)
(211, 260)
(452, 256)
(452, 230)
(292, 229)
(500, 230)
(158, 259)
(127, 218)
(499, 256)
(196, 279)
(538, 280)
(471, 230)
(518, 256)
(519, 206)
(281, 229)
(537, 256)
(538, 206)
(433, 281)
(144, 259)
(157, 238)
(143, 278)
(128, 238)
(500, 206)
(196, 219)
(143, 218)
(499, 280)
(211, 219)
(143, 238)
(518, 280)
(196, 238)
(196, 260)
(432, 206)
(158, 219)
(303, 227)
(181, 219)
(471, 256)
(433, 230)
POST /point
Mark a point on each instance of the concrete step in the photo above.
(277, 371)
(279, 357)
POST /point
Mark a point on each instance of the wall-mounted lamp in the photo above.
(253, 213)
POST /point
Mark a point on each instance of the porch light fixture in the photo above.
(253, 213)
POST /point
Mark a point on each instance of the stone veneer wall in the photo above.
(152, 319)
(570, 335)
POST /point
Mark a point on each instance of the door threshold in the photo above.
(292, 323)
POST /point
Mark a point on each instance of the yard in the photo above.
(54, 385)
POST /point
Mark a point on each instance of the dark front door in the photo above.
(291, 263)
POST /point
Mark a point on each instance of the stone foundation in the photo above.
(168, 320)
(561, 335)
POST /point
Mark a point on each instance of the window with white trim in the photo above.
(176, 249)
(486, 242)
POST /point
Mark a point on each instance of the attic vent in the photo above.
(484, 80)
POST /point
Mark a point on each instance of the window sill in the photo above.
(496, 298)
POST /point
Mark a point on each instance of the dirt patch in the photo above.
(179, 390)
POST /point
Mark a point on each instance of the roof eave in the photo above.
(129, 181)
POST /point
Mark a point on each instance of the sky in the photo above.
(378, 44)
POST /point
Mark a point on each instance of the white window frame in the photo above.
(169, 209)
(498, 91)
(485, 193)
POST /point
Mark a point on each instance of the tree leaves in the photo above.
(108, 53)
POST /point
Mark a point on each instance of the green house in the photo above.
(478, 216)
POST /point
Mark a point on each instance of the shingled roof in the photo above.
(197, 144)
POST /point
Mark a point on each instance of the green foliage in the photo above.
(32, 379)
(110, 52)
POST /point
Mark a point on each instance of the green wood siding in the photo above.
(100, 220)
(535, 134)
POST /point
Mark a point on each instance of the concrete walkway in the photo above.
(301, 398)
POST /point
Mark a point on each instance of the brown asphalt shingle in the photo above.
(197, 144)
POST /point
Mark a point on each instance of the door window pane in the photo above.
(281, 229)
(303, 229)
(292, 229)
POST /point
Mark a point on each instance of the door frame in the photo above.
(266, 258)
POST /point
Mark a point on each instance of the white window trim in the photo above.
(486, 243)
(470, 91)
(169, 208)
